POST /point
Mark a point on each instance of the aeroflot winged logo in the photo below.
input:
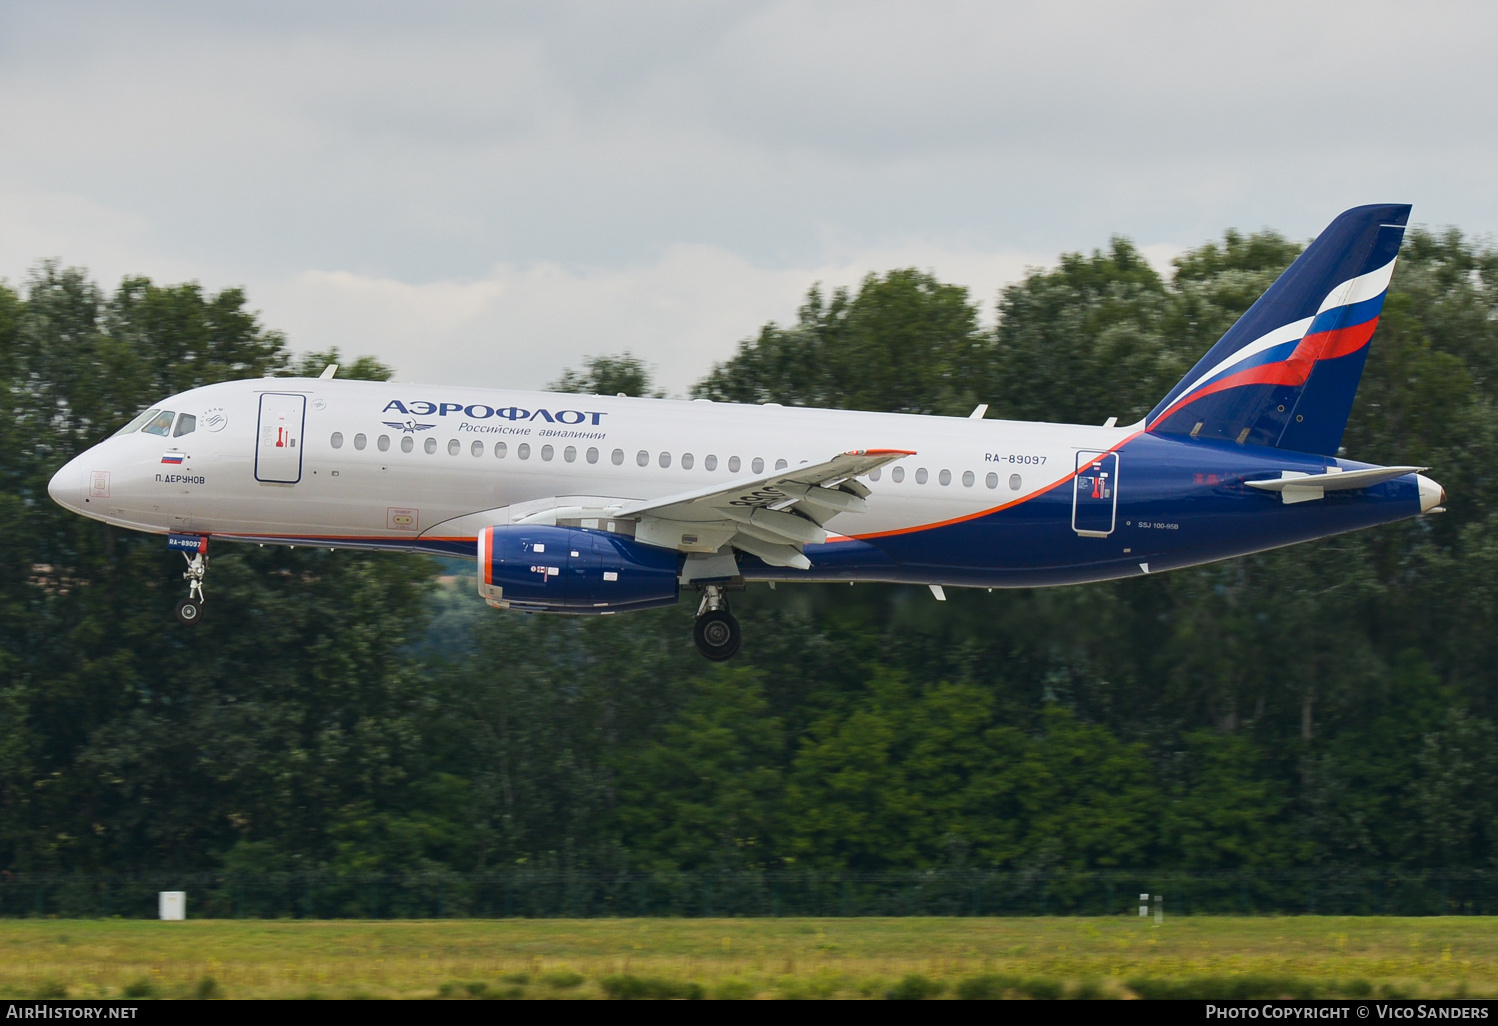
(409, 426)
(479, 411)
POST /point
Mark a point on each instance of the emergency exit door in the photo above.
(1094, 506)
(278, 439)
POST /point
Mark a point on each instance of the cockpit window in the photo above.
(140, 418)
(161, 424)
(186, 425)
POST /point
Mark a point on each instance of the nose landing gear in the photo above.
(717, 630)
(190, 609)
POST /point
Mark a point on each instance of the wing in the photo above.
(770, 515)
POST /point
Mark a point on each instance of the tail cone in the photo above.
(1432, 495)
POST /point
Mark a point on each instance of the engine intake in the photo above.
(573, 570)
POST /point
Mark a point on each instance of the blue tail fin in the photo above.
(1285, 373)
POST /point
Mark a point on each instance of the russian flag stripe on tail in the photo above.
(1285, 373)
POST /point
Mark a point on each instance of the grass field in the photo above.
(1061, 957)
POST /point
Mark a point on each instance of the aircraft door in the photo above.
(278, 440)
(1094, 509)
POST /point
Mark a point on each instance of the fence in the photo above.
(558, 894)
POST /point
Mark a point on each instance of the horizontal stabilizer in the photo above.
(1295, 486)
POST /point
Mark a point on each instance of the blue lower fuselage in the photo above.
(1179, 503)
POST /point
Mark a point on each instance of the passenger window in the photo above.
(592, 455)
(897, 475)
(758, 466)
(781, 464)
(186, 425)
(686, 461)
(874, 474)
(454, 446)
(642, 458)
(992, 480)
(161, 424)
(710, 462)
(618, 457)
(337, 440)
(499, 450)
(921, 476)
(384, 443)
(137, 421)
(430, 445)
(547, 452)
(477, 448)
(360, 441)
(570, 453)
(407, 444)
(968, 479)
(665, 460)
(945, 477)
(734, 464)
(523, 450)
(1014, 482)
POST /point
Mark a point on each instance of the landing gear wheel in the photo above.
(190, 609)
(717, 635)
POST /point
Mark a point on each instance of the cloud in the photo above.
(520, 327)
(506, 187)
(41, 224)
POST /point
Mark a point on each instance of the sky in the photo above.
(489, 193)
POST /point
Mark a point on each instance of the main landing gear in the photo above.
(717, 632)
(190, 609)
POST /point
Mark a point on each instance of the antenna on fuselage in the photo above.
(328, 372)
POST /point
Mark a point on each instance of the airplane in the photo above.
(588, 504)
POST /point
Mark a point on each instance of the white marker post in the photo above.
(1144, 906)
(1159, 909)
(172, 905)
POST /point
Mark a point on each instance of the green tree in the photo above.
(905, 343)
(129, 742)
(1082, 342)
(705, 793)
(1226, 811)
(312, 365)
(625, 374)
(1329, 705)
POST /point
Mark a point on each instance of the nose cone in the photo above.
(66, 485)
(57, 487)
(1432, 495)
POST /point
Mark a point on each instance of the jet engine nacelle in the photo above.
(573, 570)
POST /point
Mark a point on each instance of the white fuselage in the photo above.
(452, 465)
